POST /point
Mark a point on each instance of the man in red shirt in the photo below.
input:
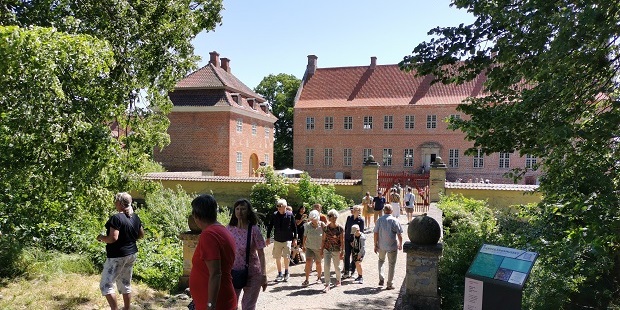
(210, 281)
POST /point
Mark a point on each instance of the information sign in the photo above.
(503, 264)
(496, 277)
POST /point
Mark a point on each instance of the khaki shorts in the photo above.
(281, 249)
(312, 254)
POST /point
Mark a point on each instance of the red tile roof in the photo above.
(212, 77)
(385, 85)
(212, 86)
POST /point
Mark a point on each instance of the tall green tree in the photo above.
(71, 71)
(280, 90)
(552, 72)
(56, 99)
(151, 42)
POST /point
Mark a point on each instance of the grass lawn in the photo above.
(76, 291)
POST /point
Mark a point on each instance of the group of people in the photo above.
(238, 248)
(374, 206)
(326, 243)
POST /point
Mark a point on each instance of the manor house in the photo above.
(344, 114)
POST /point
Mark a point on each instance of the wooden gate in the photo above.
(419, 182)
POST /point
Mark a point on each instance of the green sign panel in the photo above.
(503, 264)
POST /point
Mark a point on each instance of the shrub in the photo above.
(10, 250)
(264, 195)
(166, 212)
(160, 262)
(311, 193)
(467, 224)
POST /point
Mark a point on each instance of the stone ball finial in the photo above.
(424, 230)
(370, 161)
(438, 162)
(193, 227)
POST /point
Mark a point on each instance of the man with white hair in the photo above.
(313, 240)
(284, 234)
(386, 231)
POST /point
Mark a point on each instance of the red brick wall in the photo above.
(248, 143)
(379, 138)
(209, 141)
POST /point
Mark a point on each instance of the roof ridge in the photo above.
(352, 67)
(194, 72)
(251, 92)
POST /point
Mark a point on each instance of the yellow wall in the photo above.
(226, 193)
(498, 198)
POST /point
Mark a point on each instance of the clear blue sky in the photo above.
(276, 36)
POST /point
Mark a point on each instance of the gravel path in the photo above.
(292, 295)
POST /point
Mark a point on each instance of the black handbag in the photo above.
(240, 277)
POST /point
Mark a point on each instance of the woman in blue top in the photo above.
(122, 231)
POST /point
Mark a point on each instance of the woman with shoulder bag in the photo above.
(243, 227)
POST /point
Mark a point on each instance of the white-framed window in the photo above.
(347, 155)
(504, 160)
(453, 158)
(387, 157)
(408, 162)
(309, 123)
(348, 122)
(479, 159)
(267, 159)
(329, 122)
(530, 161)
(388, 121)
(240, 125)
(266, 132)
(455, 116)
(367, 122)
(254, 129)
(328, 157)
(431, 121)
(409, 121)
(239, 161)
(309, 157)
(366, 153)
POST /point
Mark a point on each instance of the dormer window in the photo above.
(237, 98)
(252, 103)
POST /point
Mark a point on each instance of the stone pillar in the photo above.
(370, 177)
(189, 240)
(421, 278)
(437, 179)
